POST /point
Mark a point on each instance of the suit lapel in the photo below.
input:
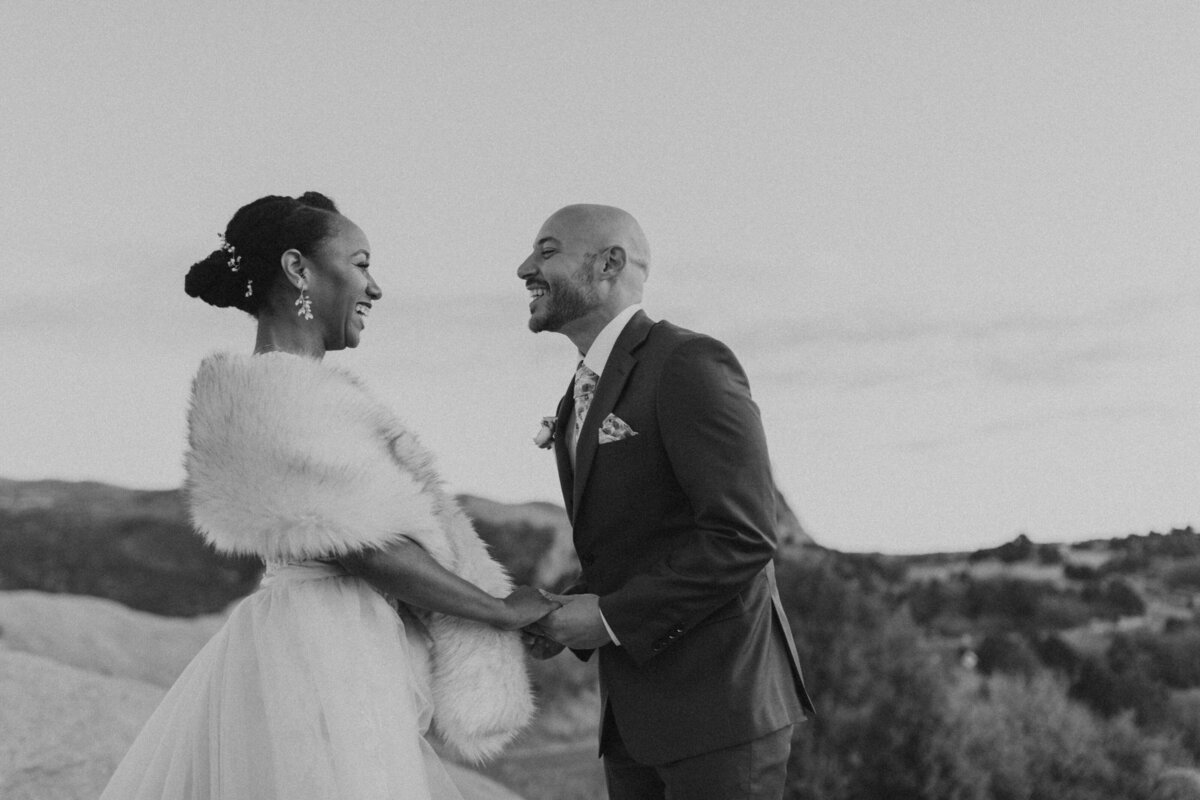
(566, 476)
(616, 372)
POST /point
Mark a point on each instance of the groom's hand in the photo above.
(538, 645)
(577, 624)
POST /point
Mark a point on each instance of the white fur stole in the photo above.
(290, 460)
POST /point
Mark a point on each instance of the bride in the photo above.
(379, 618)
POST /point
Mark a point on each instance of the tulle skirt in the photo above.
(314, 688)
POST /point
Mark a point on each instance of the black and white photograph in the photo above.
(600, 401)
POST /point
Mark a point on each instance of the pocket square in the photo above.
(614, 429)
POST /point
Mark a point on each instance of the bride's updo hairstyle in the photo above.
(242, 271)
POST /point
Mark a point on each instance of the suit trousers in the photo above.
(754, 770)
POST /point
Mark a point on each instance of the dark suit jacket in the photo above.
(675, 532)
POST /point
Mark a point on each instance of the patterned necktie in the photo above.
(585, 387)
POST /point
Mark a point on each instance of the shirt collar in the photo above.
(598, 353)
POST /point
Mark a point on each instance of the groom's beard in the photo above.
(566, 301)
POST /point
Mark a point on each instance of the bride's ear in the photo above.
(293, 268)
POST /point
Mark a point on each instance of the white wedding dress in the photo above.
(315, 688)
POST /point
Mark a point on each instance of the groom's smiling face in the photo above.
(560, 278)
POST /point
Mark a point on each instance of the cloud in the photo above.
(766, 335)
(1052, 361)
(1159, 413)
(926, 444)
(1015, 424)
(868, 351)
(866, 328)
(787, 371)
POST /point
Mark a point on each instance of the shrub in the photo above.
(1008, 653)
(1184, 717)
(1184, 576)
(878, 692)
(1079, 572)
(1113, 598)
(1061, 611)
(1172, 657)
(1049, 554)
(1007, 739)
(1123, 599)
(1058, 655)
(1125, 680)
(1098, 687)
(1004, 598)
(927, 600)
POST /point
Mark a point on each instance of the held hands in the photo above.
(525, 606)
(576, 623)
(528, 605)
(539, 646)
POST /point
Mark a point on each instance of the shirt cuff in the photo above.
(611, 635)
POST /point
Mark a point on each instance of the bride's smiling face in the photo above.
(340, 285)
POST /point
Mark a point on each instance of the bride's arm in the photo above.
(404, 570)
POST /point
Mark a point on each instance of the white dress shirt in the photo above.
(601, 349)
(595, 359)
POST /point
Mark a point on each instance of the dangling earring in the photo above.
(249, 288)
(305, 304)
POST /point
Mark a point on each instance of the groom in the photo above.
(665, 474)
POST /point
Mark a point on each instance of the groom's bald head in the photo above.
(588, 264)
(600, 228)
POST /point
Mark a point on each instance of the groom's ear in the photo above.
(614, 261)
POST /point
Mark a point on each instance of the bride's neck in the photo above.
(288, 335)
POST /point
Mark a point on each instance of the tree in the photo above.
(1007, 738)
(1008, 653)
(879, 692)
(1059, 656)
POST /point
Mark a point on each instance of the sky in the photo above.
(954, 244)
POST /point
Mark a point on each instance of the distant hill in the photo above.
(133, 546)
(138, 547)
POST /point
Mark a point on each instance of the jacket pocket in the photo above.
(734, 608)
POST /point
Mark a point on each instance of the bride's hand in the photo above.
(525, 606)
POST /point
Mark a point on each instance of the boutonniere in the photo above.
(545, 435)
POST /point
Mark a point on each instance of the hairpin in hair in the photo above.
(235, 261)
